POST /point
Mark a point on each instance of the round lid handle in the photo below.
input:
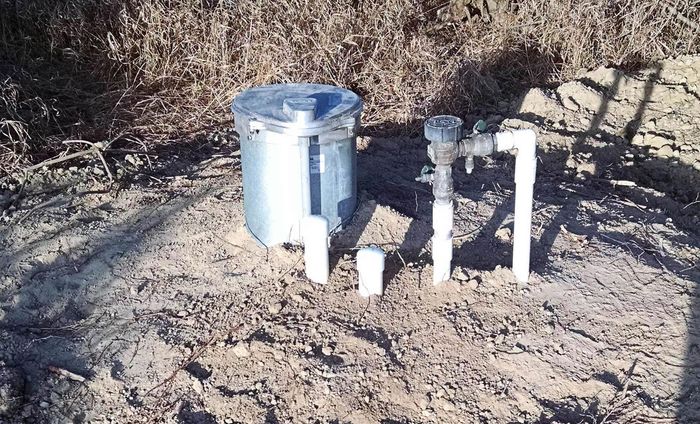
(300, 109)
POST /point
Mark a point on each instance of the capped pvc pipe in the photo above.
(525, 141)
(314, 230)
(370, 267)
(443, 216)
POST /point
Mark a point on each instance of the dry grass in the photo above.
(165, 68)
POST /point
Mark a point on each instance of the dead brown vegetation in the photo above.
(165, 68)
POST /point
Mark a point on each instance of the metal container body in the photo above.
(296, 168)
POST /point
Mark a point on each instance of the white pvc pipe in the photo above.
(525, 141)
(443, 217)
(314, 230)
(370, 267)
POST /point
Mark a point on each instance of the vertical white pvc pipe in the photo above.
(525, 169)
(370, 267)
(521, 232)
(443, 217)
(314, 230)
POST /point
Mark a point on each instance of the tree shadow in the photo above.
(46, 309)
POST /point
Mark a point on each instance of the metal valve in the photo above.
(444, 133)
(449, 142)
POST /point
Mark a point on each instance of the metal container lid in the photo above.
(298, 109)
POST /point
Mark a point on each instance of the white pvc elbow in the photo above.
(525, 141)
(314, 230)
(370, 270)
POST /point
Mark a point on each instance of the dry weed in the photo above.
(169, 68)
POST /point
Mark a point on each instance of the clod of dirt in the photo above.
(503, 234)
(241, 350)
(460, 275)
(275, 308)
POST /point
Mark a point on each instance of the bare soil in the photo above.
(155, 294)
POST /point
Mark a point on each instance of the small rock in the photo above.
(655, 141)
(423, 403)
(448, 406)
(560, 349)
(241, 350)
(197, 386)
(503, 234)
(638, 139)
(587, 168)
(569, 103)
(327, 350)
(132, 159)
(297, 298)
(381, 351)
(460, 275)
(665, 152)
(275, 308)
(44, 404)
(473, 284)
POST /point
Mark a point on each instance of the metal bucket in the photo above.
(299, 157)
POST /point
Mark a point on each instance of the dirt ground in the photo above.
(156, 296)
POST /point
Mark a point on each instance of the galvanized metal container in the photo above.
(299, 157)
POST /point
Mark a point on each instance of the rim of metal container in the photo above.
(265, 107)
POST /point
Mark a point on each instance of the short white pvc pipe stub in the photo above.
(370, 269)
(314, 230)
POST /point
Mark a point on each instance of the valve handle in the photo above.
(426, 174)
(480, 127)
